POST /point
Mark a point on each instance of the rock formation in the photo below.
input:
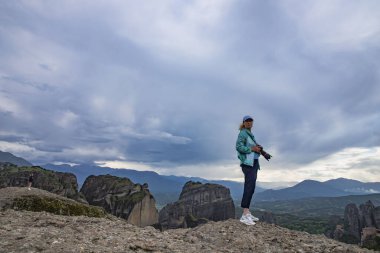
(267, 217)
(122, 198)
(370, 238)
(376, 216)
(198, 203)
(352, 223)
(360, 226)
(37, 200)
(338, 233)
(366, 215)
(64, 184)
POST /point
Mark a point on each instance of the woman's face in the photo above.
(248, 123)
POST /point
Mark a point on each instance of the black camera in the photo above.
(266, 155)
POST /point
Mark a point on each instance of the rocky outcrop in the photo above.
(366, 215)
(37, 200)
(198, 203)
(338, 233)
(359, 226)
(45, 232)
(267, 217)
(64, 184)
(122, 198)
(352, 223)
(376, 216)
(370, 238)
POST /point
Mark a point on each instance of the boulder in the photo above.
(63, 184)
(366, 215)
(198, 203)
(122, 198)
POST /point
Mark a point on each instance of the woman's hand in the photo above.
(256, 149)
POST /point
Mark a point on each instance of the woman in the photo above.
(30, 181)
(248, 154)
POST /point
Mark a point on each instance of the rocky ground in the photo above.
(25, 231)
(28, 231)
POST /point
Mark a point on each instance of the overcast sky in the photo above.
(163, 85)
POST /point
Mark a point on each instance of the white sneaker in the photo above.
(253, 217)
(246, 219)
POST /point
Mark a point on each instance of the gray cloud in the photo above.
(168, 86)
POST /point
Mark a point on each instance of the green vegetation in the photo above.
(373, 244)
(312, 225)
(318, 206)
(193, 221)
(136, 197)
(56, 206)
(130, 200)
(349, 239)
(44, 179)
(312, 215)
(116, 182)
(15, 169)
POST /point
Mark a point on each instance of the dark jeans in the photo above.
(250, 176)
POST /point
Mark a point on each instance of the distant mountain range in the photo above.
(166, 189)
(10, 158)
(311, 188)
(354, 186)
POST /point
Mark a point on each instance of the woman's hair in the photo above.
(241, 126)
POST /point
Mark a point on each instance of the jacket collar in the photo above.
(249, 133)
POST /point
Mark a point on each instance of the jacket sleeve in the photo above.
(240, 144)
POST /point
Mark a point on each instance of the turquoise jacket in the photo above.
(244, 142)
